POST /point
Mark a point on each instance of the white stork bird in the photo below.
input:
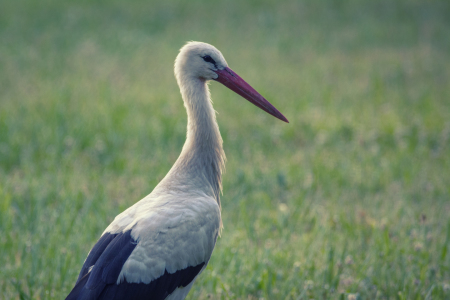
(156, 248)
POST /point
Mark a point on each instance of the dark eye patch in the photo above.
(208, 58)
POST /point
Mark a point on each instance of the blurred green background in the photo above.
(348, 201)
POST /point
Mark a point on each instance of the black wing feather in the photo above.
(110, 263)
(95, 253)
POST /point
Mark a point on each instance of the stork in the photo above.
(156, 248)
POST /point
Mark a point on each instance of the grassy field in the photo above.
(351, 200)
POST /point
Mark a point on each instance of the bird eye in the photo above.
(208, 58)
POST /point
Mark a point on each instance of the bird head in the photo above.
(204, 62)
(199, 60)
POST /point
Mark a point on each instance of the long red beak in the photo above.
(231, 80)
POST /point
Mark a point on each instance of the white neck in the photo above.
(202, 160)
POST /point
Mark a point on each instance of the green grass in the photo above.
(351, 200)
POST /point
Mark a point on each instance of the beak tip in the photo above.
(281, 117)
